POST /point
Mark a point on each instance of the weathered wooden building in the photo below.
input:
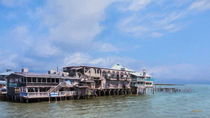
(25, 86)
(76, 82)
(106, 81)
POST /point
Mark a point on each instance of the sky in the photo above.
(169, 38)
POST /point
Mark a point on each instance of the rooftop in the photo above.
(115, 67)
(6, 73)
(39, 75)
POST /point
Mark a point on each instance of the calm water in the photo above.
(195, 104)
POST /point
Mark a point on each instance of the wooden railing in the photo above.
(41, 84)
(46, 94)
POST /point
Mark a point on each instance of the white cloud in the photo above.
(21, 34)
(143, 22)
(136, 5)
(65, 26)
(45, 49)
(156, 34)
(76, 59)
(177, 72)
(105, 47)
(23, 40)
(74, 21)
(85, 59)
(8, 61)
(138, 25)
(200, 5)
(133, 25)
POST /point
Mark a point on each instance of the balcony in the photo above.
(41, 84)
(149, 79)
(46, 94)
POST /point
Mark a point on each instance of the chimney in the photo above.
(8, 70)
(24, 70)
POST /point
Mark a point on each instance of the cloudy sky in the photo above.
(170, 38)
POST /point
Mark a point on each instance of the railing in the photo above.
(150, 79)
(138, 79)
(46, 94)
(67, 93)
(3, 93)
(41, 84)
(37, 94)
(138, 85)
(59, 86)
(148, 84)
(112, 78)
(56, 88)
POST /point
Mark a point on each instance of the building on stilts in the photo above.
(142, 83)
(76, 82)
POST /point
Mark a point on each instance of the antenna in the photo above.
(57, 68)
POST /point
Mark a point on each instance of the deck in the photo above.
(47, 94)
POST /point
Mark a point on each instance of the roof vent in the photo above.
(52, 71)
(24, 70)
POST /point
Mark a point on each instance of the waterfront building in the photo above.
(111, 81)
(76, 82)
(24, 86)
(141, 82)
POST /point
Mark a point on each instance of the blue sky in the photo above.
(169, 38)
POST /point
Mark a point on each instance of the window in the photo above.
(39, 79)
(43, 79)
(34, 79)
(48, 79)
(29, 79)
(22, 80)
(57, 80)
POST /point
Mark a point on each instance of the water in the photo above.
(195, 104)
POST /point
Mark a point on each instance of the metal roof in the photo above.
(38, 75)
(139, 74)
(6, 73)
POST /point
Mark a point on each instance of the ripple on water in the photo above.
(161, 105)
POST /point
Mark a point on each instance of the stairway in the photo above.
(58, 87)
